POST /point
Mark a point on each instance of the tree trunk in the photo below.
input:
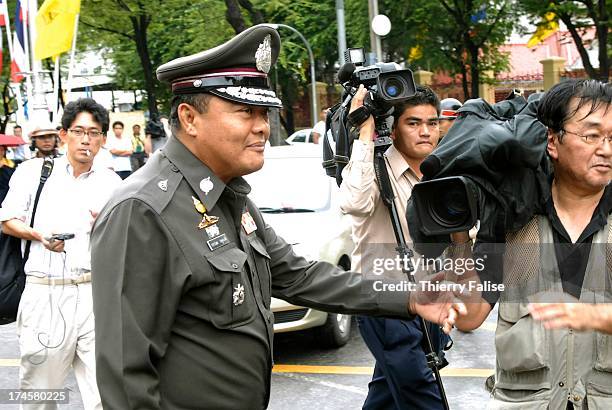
(140, 24)
(586, 63)
(234, 17)
(464, 83)
(474, 71)
(602, 38)
(256, 16)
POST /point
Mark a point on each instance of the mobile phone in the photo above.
(61, 236)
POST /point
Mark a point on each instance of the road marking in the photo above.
(311, 369)
(352, 389)
(366, 370)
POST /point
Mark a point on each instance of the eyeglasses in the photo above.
(79, 132)
(591, 139)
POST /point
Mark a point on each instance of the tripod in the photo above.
(382, 142)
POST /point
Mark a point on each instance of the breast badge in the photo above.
(238, 295)
(207, 220)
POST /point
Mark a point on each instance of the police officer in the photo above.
(186, 265)
(448, 114)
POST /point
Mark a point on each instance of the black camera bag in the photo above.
(12, 274)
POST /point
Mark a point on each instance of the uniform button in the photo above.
(561, 384)
(577, 398)
(235, 265)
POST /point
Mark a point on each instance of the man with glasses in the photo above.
(401, 377)
(553, 343)
(55, 322)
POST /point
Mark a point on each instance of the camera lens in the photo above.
(451, 209)
(394, 87)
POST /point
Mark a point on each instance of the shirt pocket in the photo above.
(262, 264)
(232, 297)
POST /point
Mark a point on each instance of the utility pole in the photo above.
(341, 30)
(375, 43)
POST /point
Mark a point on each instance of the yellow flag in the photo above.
(55, 27)
(415, 53)
(546, 28)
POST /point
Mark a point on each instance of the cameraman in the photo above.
(536, 366)
(55, 322)
(157, 132)
(402, 379)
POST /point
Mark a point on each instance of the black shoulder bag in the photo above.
(12, 263)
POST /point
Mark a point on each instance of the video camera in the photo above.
(491, 166)
(387, 85)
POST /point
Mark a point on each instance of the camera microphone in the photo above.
(345, 72)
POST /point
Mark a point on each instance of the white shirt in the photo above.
(319, 128)
(104, 159)
(64, 207)
(122, 144)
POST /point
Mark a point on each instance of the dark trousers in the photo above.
(401, 378)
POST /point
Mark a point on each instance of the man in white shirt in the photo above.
(121, 148)
(319, 129)
(55, 321)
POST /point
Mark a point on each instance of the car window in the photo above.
(291, 183)
(299, 138)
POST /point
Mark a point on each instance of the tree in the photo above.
(461, 36)
(580, 17)
(142, 26)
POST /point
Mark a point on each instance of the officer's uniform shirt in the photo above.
(183, 314)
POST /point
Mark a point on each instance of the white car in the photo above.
(304, 135)
(297, 200)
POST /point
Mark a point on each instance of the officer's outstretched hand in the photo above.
(437, 306)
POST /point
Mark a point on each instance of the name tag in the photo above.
(248, 223)
(216, 243)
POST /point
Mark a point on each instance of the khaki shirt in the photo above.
(183, 314)
(360, 198)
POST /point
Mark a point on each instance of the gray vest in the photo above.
(543, 369)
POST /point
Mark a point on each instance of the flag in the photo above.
(55, 27)
(19, 60)
(546, 28)
(3, 13)
(1, 51)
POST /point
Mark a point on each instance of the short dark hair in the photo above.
(554, 106)
(118, 123)
(74, 108)
(423, 96)
(197, 101)
(16, 126)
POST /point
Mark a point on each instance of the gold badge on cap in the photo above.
(263, 55)
(238, 295)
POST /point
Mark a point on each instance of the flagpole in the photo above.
(71, 63)
(40, 110)
(56, 74)
(13, 85)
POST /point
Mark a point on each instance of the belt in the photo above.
(85, 278)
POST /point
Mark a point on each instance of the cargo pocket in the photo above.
(232, 302)
(599, 384)
(521, 346)
(262, 262)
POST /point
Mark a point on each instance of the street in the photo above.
(307, 377)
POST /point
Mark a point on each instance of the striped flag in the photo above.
(19, 60)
